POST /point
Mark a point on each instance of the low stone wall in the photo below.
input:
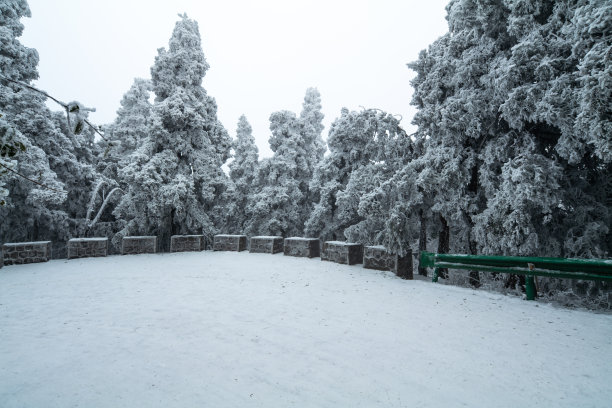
(138, 245)
(186, 243)
(377, 257)
(18, 253)
(229, 243)
(342, 252)
(87, 247)
(268, 245)
(304, 247)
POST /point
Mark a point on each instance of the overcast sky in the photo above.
(263, 54)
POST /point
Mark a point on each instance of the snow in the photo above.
(15, 244)
(302, 239)
(225, 329)
(87, 239)
(341, 243)
(266, 237)
(229, 236)
(377, 247)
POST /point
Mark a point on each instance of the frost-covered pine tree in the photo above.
(34, 208)
(175, 178)
(127, 133)
(312, 117)
(243, 170)
(511, 103)
(279, 206)
(365, 148)
(130, 127)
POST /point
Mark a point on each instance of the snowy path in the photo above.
(217, 329)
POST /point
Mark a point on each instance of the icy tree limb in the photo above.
(95, 220)
(94, 195)
(29, 179)
(72, 107)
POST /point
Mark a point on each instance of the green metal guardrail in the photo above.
(583, 269)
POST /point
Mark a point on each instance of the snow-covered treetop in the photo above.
(245, 151)
(184, 64)
(16, 61)
(312, 117)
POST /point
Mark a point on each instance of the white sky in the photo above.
(263, 54)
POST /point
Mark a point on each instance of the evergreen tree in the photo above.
(512, 105)
(279, 207)
(312, 117)
(243, 170)
(175, 178)
(38, 207)
(129, 128)
(365, 149)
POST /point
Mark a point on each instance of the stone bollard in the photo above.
(186, 243)
(87, 247)
(138, 245)
(229, 243)
(268, 245)
(304, 247)
(342, 252)
(18, 253)
(377, 257)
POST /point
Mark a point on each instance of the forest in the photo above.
(512, 156)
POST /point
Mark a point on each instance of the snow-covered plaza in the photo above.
(221, 329)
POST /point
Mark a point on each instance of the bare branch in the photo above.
(95, 220)
(94, 195)
(29, 179)
(62, 104)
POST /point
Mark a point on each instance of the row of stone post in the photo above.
(372, 257)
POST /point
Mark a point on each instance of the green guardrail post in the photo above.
(435, 275)
(530, 289)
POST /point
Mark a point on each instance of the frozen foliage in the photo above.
(126, 134)
(279, 205)
(174, 178)
(365, 149)
(503, 97)
(283, 200)
(312, 118)
(242, 174)
(131, 125)
(512, 110)
(60, 163)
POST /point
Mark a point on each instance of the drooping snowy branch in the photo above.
(104, 204)
(94, 196)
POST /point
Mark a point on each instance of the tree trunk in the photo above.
(474, 275)
(443, 244)
(422, 240)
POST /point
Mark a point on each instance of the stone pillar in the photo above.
(304, 247)
(87, 247)
(18, 253)
(377, 257)
(186, 243)
(229, 243)
(348, 253)
(138, 245)
(265, 244)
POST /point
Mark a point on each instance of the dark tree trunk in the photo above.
(443, 244)
(422, 239)
(474, 275)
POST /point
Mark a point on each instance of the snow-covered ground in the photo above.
(219, 329)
